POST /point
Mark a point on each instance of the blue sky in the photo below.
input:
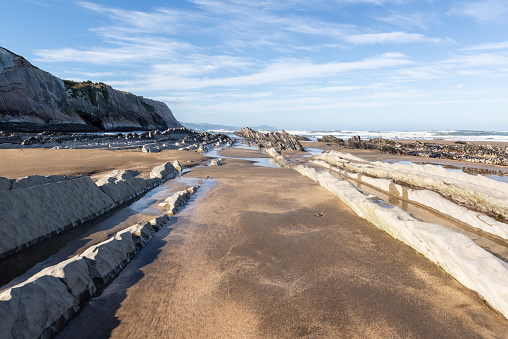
(295, 64)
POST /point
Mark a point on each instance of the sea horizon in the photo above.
(452, 135)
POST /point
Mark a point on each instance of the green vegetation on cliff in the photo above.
(87, 89)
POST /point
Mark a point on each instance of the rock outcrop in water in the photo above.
(279, 140)
(35, 100)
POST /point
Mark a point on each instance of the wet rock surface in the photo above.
(460, 150)
(279, 140)
(149, 141)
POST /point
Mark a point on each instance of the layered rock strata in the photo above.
(461, 150)
(174, 203)
(34, 100)
(279, 141)
(428, 199)
(456, 253)
(40, 306)
(44, 208)
(473, 191)
(281, 160)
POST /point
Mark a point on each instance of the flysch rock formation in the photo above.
(175, 202)
(474, 191)
(35, 100)
(31, 214)
(429, 199)
(281, 160)
(40, 306)
(456, 253)
(460, 150)
(280, 141)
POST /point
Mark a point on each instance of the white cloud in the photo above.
(128, 50)
(161, 20)
(277, 72)
(487, 46)
(482, 61)
(480, 66)
(393, 55)
(392, 37)
(487, 11)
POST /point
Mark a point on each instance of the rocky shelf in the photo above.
(460, 150)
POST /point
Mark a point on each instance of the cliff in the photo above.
(33, 100)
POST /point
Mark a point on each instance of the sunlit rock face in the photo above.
(32, 99)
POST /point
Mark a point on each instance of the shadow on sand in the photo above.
(98, 318)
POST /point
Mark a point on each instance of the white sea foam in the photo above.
(454, 135)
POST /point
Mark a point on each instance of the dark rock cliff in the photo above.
(33, 100)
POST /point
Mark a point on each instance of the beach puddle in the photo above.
(312, 151)
(257, 161)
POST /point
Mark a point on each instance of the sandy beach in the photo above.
(264, 252)
(17, 163)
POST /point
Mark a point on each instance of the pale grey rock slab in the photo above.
(177, 166)
(36, 308)
(216, 162)
(121, 185)
(36, 180)
(106, 259)
(75, 274)
(28, 214)
(30, 181)
(164, 171)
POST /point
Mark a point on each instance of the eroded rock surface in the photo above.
(460, 150)
(474, 191)
(279, 141)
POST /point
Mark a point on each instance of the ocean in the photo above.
(454, 135)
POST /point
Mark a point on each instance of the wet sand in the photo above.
(268, 253)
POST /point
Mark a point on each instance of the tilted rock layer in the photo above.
(32, 99)
(280, 141)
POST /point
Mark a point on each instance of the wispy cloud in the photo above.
(410, 20)
(487, 11)
(273, 73)
(126, 50)
(155, 21)
(392, 37)
(487, 46)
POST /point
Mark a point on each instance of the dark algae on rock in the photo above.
(33, 100)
